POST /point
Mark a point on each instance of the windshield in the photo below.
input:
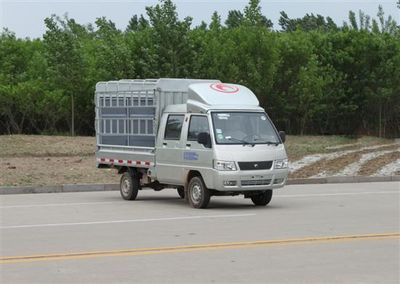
(243, 128)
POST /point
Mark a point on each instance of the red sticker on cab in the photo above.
(224, 88)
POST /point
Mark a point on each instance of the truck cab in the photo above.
(218, 142)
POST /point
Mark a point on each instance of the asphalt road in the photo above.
(309, 233)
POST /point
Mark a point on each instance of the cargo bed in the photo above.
(127, 116)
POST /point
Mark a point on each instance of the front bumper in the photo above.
(249, 180)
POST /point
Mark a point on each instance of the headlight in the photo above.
(224, 166)
(281, 164)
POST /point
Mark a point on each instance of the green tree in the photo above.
(170, 38)
(353, 20)
(309, 22)
(112, 52)
(133, 25)
(23, 88)
(254, 17)
(137, 24)
(234, 19)
(312, 77)
(386, 25)
(65, 61)
(215, 24)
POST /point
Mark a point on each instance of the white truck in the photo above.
(203, 137)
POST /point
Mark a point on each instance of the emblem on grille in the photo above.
(256, 165)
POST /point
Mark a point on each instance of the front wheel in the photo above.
(263, 198)
(129, 186)
(198, 193)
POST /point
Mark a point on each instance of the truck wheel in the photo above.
(129, 186)
(263, 198)
(198, 193)
(181, 191)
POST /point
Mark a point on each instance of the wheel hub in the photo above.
(196, 192)
(125, 186)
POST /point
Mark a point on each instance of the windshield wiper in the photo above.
(271, 143)
(241, 141)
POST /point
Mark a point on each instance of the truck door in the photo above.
(168, 151)
(196, 156)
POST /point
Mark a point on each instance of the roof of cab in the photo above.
(222, 94)
(205, 96)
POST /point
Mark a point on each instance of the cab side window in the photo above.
(174, 127)
(197, 125)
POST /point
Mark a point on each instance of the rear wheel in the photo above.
(263, 198)
(198, 193)
(129, 186)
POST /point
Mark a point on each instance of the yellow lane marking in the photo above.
(190, 248)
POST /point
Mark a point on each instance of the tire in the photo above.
(263, 198)
(129, 186)
(181, 192)
(198, 193)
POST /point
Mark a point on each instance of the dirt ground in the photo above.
(50, 160)
(53, 170)
(46, 146)
(300, 146)
(53, 160)
(371, 166)
(332, 166)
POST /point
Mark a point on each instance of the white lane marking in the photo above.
(57, 204)
(337, 194)
(125, 221)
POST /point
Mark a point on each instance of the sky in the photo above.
(26, 17)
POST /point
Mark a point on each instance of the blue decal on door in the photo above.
(191, 156)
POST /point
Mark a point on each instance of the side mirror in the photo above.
(204, 138)
(282, 134)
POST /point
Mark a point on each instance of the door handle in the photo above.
(164, 143)
(188, 145)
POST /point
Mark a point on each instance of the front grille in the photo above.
(255, 182)
(251, 166)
